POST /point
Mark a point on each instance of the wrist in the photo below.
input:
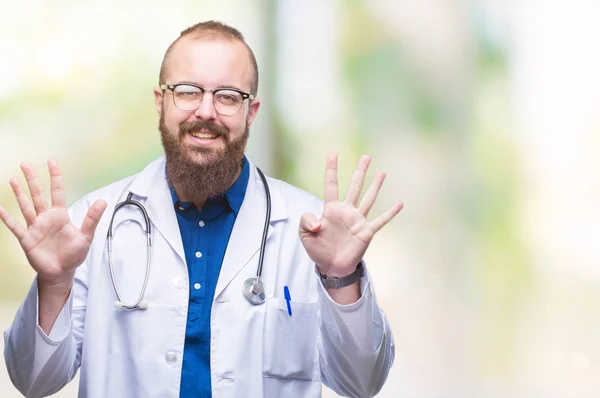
(331, 273)
(331, 281)
(56, 285)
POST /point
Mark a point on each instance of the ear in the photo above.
(254, 106)
(158, 99)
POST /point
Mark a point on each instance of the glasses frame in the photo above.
(172, 87)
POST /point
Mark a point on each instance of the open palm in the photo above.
(53, 245)
(339, 239)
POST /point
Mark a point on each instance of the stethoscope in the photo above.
(253, 288)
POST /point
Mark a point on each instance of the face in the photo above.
(204, 149)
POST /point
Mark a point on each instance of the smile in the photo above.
(204, 136)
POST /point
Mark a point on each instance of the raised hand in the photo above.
(53, 245)
(338, 240)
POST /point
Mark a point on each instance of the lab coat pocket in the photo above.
(290, 346)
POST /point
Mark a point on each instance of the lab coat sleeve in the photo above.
(38, 364)
(356, 346)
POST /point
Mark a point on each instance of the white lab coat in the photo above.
(256, 351)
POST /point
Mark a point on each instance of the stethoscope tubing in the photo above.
(265, 234)
(119, 303)
(254, 297)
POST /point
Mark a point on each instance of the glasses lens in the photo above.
(228, 102)
(187, 98)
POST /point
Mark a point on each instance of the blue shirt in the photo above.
(205, 234)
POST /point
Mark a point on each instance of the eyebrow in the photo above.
(221, 86)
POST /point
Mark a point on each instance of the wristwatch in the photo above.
(333, 282)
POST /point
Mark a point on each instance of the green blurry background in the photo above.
(484, 114)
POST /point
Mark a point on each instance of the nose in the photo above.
(206, 110)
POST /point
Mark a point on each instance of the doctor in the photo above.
(192, 326)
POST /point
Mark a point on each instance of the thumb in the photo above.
(309, 223)
(92, 218)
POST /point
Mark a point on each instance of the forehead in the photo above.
(210, 63)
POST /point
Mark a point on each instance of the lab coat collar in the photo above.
(247, 232)
(151, 185)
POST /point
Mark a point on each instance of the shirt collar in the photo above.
(234, 195)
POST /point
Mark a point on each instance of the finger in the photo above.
(331, 178)
(371, 194)
(24, 203)
(92, 218)
(358, 180)
(309, 223)
(12, 224)
(384, 218)
(35, 188)
(57, 190)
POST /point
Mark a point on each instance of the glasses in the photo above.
(187, 97)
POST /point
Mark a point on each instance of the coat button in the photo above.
(179, 282)
(171, 357)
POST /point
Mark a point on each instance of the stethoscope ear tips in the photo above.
(118, 304)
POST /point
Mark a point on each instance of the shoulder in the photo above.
(297, 200)
(112, 193)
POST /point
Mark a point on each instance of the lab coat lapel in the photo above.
(247, 232)
(152, 184)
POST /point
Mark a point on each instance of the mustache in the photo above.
(194, 127)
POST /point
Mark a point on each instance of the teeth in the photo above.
(204, 136)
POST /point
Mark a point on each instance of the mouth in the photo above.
(203, 138)
(204, 135)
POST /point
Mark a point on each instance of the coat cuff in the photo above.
(62, 326)
(363, 316)
(47, 345)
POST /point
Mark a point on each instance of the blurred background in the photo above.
(484, 114)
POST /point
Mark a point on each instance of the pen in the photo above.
(288, 298)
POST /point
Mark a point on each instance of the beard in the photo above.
(218, 169)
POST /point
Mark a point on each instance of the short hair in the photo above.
(212, 30)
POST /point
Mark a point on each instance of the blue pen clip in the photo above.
(288, 299)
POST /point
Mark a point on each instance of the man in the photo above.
(185, 326)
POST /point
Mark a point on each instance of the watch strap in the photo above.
(334, 282)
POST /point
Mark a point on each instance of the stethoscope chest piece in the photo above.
(254, 291)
